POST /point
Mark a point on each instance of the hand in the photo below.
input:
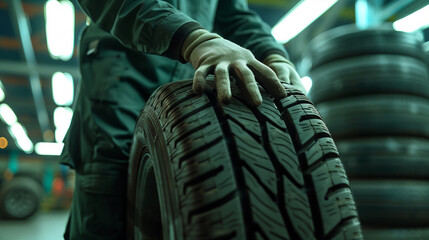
(209, 52)
(284, 70)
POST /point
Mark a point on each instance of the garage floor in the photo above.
(43, 226)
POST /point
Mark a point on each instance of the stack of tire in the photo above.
(372, 90)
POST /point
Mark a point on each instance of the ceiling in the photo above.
(18, 70)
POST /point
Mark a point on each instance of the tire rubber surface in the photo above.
(397, 234)
(385, 157)
(20, 198)
(366, 75)
(229, 171)
(376, 116)
(348, 41)
(392, 203)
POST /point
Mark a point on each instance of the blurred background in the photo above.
(364, 63)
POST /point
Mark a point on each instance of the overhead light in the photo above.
(21, 139)
(62, 120)
(7, 114)
(60, 24)
(300, 17)
(413, 22)
(62, 117)
(2, 94)
(362, 10)
(307, 83)
(49, 148)
(62, 88)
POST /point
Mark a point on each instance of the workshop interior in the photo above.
(364, 65)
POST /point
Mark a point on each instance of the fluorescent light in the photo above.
(49, 148)
(59, 17)
(62, 88)
(62, 117)
(21, 139)
(300, 17)
(2, 94)
(362, 11)
(62, 120)
(7, 114)
(413, 22)
(307, 82)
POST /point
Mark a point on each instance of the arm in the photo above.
(143, 25)
(237, 23)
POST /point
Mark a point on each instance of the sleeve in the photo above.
(144, 25)
(235, 22)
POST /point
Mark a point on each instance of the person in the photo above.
(130, 48)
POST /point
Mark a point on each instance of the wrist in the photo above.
(276, 58)
(194, 39)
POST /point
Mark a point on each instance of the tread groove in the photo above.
(318, 162)
(309, 117)
(258, 179)
(337, 229)
(198, 150)
(202, 178)
(165, 98)
(312, 141)
(247, 217)
(253, 135)
(314, 206)
(187, 115)
(190, 132)
(225, 236)
(215, 204)
(334, 189)
(279, 169)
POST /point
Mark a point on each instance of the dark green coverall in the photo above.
(131, 48)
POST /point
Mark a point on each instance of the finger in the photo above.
(268, 79)
(247, 84)
(199, 82)
(223, 84)
(281, 71)
(295, 80)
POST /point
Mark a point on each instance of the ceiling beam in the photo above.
(21, 26)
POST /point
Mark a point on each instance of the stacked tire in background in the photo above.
(372, 89)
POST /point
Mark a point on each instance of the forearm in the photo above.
(237, 23)
(148, 26)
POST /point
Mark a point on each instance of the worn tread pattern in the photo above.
(271, 172)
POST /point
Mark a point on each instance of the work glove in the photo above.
(210, 53)
(285, 70)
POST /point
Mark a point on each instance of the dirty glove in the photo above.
(285, 70)
(210, 53)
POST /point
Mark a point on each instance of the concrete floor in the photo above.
(42, 226)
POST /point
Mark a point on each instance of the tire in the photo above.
(347, 41)
(389, 157)
(396, 234)
(392, 203)
(365, 75)
(377, 116)
(235, 172)
(20, 198)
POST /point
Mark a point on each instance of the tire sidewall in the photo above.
(149, 140)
